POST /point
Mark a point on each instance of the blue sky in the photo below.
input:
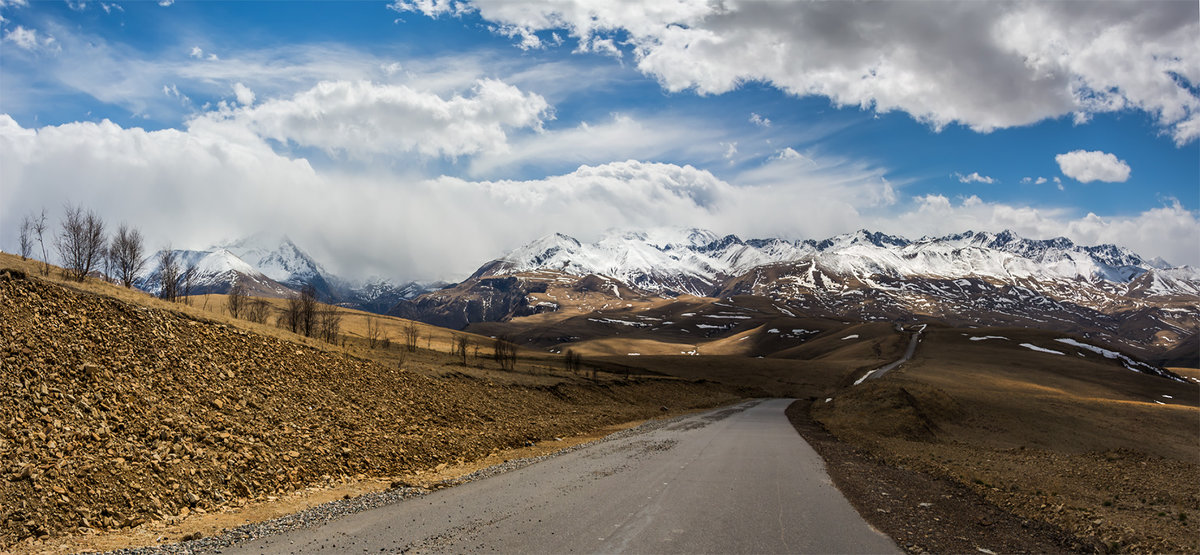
(420, 139)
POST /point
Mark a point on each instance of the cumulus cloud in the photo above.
(974, 177)
(28, 39)
(759, 120)
(244, 95)
(1086, 166)
(362, 118)
(986, 65)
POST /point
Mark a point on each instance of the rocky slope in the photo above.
(113, 413)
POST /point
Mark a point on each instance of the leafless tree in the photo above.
(410, 336)
(572, 361)
(329, 321)
(188, 279)
(505, 353)
(459, 346)
(80, 243)
(308, 310)
(126, 254)
(25, 238)
(38, 226)
(374, 331)
(168, 274)
(292, 314)
(256, 310)
(236, 299)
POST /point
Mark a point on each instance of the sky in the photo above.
(418, 139)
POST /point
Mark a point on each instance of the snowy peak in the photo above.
(277, 257)
(695, 261)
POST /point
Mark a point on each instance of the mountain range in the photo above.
(273, 266)
(965, 279)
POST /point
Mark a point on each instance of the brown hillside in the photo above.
(114, 413)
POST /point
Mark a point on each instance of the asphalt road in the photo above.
(908, 354)
(734, 480)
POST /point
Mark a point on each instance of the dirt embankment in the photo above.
(113, 414)
(1100, 495)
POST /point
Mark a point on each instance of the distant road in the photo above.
(908, 354)
(726, 481)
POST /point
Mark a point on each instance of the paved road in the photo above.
(908, 354)
(726, 481)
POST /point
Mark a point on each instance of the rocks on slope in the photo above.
(112, 414)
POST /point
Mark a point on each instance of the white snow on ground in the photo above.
(864, 378)
(773, 330)
(784, 310)
(1159, 402)
(1033, 347)
(732, 316)
(634, 354)
(1126, 361)
(986, 337)
(799, 331)
(854, 336)
(1168, 396)
(709, 327)
(616, 321)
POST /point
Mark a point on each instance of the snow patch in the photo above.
(986, 337)
(854, 336)
(1033, 347)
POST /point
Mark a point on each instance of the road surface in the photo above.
(908, 354)
(734, 480)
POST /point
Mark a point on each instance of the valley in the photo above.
(1028, 388)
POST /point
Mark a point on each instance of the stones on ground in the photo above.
(98, 396)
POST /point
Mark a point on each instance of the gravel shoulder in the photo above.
(925, 513)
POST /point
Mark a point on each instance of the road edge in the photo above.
(924, 513)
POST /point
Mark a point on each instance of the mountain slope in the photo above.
(963, 279)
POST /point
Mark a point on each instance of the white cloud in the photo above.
(974, 177)
(1169, 231)
(759, 120)
(621, 137)
(986, 65)
(27, 39)
(165, 3)
(1086, 166)
(109, 8)
(730, 150)
(244, 95)
(197, 52)
(361, 118)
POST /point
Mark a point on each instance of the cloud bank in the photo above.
(212, 184)
(986, 65)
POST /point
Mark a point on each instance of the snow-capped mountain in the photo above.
(280, 259)
(972, 278)
(215, 272)
(699, 262)
(274, 266)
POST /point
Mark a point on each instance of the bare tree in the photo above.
(505, 353)
(374, 331)
(81, 242)
(188, 279)
(168, 274)
(292, 315)
(236, 298)
(38, 226)
(256, 310)
(25, 238)
(308, 310)
(329, 321)
(126, 254)
(459, 346)
(410, 336)
(572, 361)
